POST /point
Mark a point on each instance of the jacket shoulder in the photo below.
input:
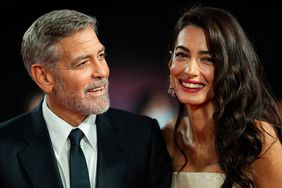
(119, 114)
(14, 123)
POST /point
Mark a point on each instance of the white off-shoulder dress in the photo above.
(197, 180)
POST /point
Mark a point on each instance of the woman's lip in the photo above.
(191, 82)
(191, 89)
(191, 86)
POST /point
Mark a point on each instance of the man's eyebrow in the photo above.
(79, 58)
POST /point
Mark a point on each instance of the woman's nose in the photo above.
(191, 67)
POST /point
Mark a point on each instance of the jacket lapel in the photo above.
(111, 163)
(37, 158)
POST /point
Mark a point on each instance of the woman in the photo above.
(228, 131)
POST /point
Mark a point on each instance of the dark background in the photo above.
(136, 36)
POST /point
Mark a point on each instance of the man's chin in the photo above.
(100, 107)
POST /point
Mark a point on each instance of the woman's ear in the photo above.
(169, 64)
(42, 77)
(170, 60)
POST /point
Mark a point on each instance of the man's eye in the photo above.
(82, 63)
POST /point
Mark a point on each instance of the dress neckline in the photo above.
(199, 173)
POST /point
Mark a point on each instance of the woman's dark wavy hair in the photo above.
(242, 94)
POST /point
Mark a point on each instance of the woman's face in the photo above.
(192, 67)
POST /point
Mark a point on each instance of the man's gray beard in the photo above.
(98, 105)
(101, 105)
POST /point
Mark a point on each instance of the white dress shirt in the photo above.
(59, 131)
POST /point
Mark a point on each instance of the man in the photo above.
(65, 58)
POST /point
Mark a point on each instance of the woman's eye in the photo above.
(207, 60)
(180, 54)
(102, 56)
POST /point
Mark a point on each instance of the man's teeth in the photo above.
(97, 89)
(193, 86)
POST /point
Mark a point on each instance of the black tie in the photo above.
(79, 177)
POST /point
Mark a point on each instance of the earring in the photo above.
(171, 90)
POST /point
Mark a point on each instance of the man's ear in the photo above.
(42, 77)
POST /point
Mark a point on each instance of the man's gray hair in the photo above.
(39, 44)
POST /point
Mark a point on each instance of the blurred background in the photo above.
(136, 35)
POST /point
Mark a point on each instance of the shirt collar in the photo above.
(59, 129)
(88, 127)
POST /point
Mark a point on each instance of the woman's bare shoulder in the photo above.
(268, 167)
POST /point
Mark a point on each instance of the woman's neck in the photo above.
(199, 125)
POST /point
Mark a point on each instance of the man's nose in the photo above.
(100, 69)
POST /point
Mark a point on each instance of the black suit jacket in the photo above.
(131, 152)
